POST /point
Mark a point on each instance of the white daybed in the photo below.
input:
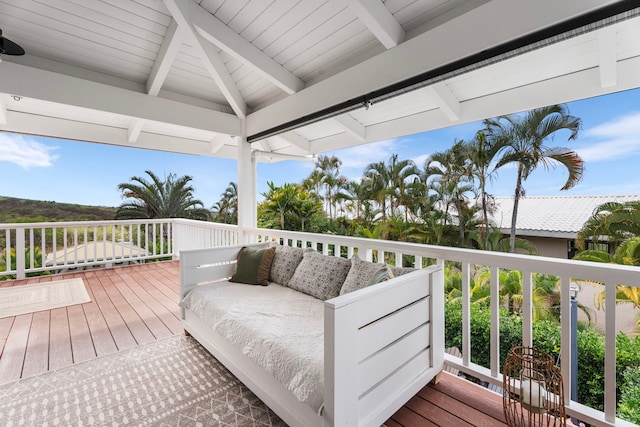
(382, 344)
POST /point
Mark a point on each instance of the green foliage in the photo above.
(629, 404)
(547, 337)
(13, 210)
(11, 262)
(157, 198)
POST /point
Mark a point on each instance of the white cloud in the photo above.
(355, 159)
(25, 152)
(616, 139)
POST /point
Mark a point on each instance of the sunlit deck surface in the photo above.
(138, 304)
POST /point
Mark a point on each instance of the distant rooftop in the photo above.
(551, 216)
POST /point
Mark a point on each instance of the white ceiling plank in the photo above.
(134, 130)
(351, 125)
(607, 56)
(167, 54)
(3, 111)
(445, 99)
(212, 29)
(182, 14)
(409, 58)
(377, 18)
(44, 85)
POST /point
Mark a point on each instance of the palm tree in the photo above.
(375, 181)
(332, 181)
(613, 220)
(281, 200)
(171, 198)
(493, 240)
(525, 136)
(452, 169)
(483, 152)
(226, 209)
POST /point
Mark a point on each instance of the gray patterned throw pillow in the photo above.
(285, 262)
(319, 275)
(359, 274)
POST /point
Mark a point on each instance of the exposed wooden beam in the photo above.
(352, 126)
(214, 30)
(52, 87)
(134, 130)
(607, 58)
(182, 13)
(377, 18)
(168, 51)
(409, 58)
(445, 99)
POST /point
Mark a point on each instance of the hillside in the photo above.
(24, 210)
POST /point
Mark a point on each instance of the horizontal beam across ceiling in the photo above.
(443, 45)
(28, 82)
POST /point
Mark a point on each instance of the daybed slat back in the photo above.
(389, 328)
(207, 265)
(392, 325)
(384, 363)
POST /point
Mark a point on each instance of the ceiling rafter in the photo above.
(3, 111)
(134, 130)
(445, 99)
(352, 126)
(182, 13)
(377, 18)
(166, 55)
(295, 139)
(215, 31)
(217, 142)
(608, 61)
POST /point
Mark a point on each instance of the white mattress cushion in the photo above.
(280, 329)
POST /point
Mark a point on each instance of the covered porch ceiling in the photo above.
(300, 77)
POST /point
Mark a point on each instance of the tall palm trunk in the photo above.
(514, 214)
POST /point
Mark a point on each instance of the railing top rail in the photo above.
(602, 272)
(25, 225)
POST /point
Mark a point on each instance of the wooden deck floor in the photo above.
(135, 305)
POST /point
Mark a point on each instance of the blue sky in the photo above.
(88, 173)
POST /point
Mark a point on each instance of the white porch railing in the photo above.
(72, 244)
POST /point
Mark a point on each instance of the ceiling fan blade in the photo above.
(7, 47)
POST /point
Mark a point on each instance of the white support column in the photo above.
(247, 202)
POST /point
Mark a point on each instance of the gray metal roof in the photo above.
(551, 216)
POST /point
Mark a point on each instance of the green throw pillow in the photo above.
(381, 275)
(253, 266)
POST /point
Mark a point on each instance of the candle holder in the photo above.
(532, 394)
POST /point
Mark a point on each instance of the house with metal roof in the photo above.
(551, 223)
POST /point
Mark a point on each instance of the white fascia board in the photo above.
(377, 18)
(566, 88)
(170, 46)
(214, 30)
(491, 24)
(29, 124)
(607, 59)
(44, 85)
(182, 14)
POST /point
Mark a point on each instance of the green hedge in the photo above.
(546, 336)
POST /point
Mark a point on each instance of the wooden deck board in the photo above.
(60, 353)
(36, 358)
(138, 304)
